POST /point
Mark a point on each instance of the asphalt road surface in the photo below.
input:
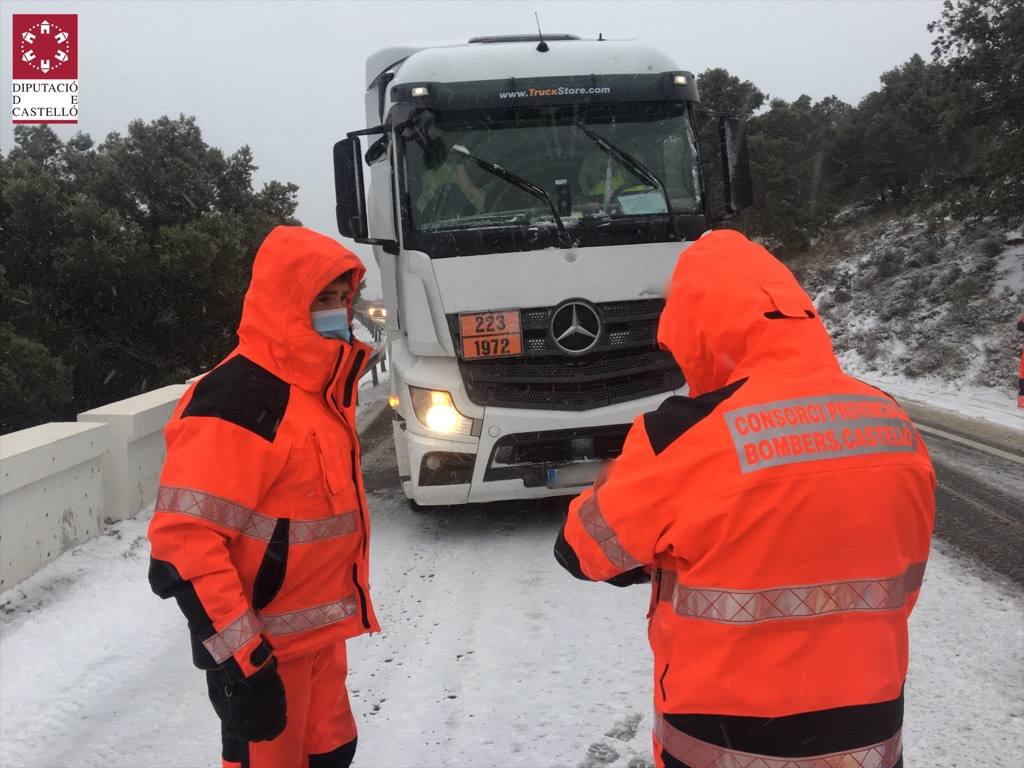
(980, 500)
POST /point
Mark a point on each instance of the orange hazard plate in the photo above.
(491, 334)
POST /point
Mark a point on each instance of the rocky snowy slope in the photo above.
(922, 297)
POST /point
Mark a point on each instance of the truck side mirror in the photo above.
(377, 150)
(350, 206)
(739, 187)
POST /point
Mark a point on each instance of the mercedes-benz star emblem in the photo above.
(576, 327)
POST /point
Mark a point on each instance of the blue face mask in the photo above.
(332, 324)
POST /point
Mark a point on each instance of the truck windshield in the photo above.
(445, 191)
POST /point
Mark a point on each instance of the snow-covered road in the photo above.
(490, 654)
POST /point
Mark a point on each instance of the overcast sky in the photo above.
(287, 77)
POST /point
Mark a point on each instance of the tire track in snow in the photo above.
(490, 654)
(980, 505)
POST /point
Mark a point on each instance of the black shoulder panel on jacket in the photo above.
(243, 393)
(678, 414)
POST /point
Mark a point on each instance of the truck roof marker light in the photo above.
(679, 80)
(420, 91)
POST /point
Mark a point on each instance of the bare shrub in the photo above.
(941, 358)
(988, 246)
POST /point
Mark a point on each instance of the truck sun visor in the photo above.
(482, 94)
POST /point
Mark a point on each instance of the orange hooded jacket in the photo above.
(783, 509)
(261, 529)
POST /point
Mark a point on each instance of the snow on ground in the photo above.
(1011, 273)
(490, 655)
(990, 404)
(363, 333)
(372, 398)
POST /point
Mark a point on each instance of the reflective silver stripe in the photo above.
(307, 531)
(204, 505)
(248, 522)
(702, 754)
(818, 428)
(599, 530)
(310, 618)
(743, 606)
(235, 635)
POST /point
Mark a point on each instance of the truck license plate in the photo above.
(491, 334)
(575, 474)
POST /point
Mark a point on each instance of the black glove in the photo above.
(253, 709)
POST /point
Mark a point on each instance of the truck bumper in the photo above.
(512, 456)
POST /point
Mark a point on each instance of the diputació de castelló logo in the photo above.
(44, 87)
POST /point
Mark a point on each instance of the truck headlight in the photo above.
(436, 411)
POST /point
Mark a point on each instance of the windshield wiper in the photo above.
(520, 183)
(644, 173)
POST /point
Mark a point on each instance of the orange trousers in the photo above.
(320, 721)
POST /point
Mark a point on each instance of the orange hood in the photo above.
(292, 265)
(733, 309)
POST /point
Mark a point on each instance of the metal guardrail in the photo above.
(377, 363)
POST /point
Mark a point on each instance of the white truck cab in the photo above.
(526, 200)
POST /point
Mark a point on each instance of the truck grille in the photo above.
(625, 365)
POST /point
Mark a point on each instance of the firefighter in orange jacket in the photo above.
(1020, 369)
(783, 513)
(261, 530)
